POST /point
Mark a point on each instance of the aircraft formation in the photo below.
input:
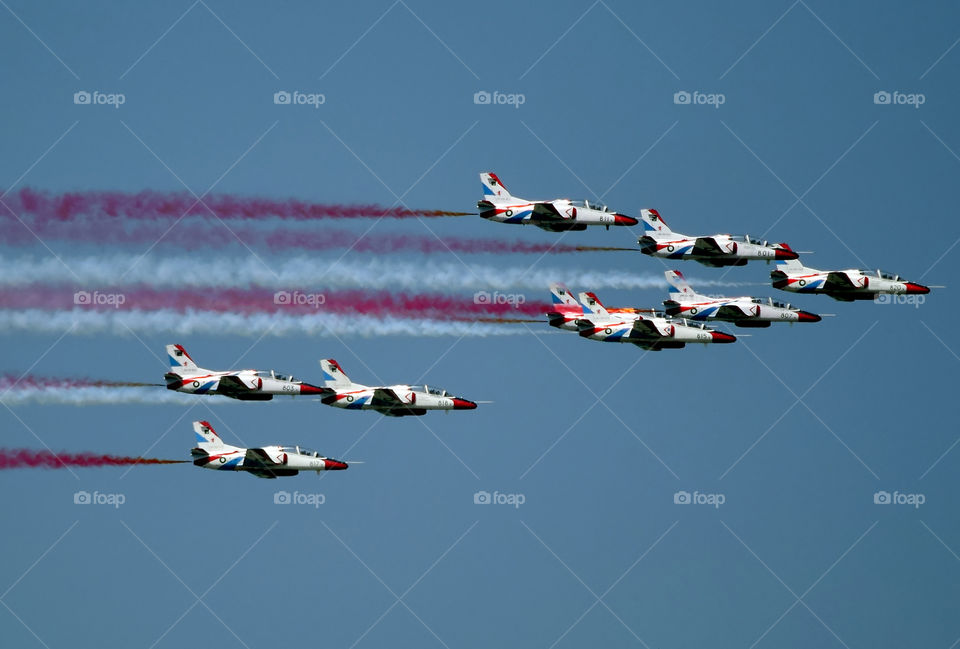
(338, 391)
(685, 314)
(686, 317)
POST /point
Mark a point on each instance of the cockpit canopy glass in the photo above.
(300, 450)
(771, 302)
(426, 389)
(746, 238)
(270, 374)
(600, 207)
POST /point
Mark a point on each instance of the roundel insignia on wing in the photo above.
(802, 282)
(349, 398)
(693, 311)
(670, 248)
(509, 212)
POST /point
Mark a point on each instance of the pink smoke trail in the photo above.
(41, 206)
(252, 301)
(189, 236)
(22, 458)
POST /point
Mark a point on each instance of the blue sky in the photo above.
(796, 427)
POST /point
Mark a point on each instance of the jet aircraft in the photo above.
(659, 240)
(264, 462)
(556, 215)
(390, 400)
(844, 285)
(245, 385)
(741, 311)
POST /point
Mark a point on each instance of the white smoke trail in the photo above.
(82, 321)
(93, 396)
(302, 271)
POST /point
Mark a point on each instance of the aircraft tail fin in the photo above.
(206, 435)
(562, 300)
(680, 290)
(333, 375)
(592, 305)
(179, 357)
(493, 189)
(653, 223)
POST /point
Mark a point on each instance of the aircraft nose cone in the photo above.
(620, 219)
(463, 404)
(806, 316)
(334, 465)
(917, 289)
(720, 337)
(781, 253)
(306, 388)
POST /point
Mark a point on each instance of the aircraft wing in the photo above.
(232, 386)
(646, 329)
(547, 212)
(386, 399)
(838, 281)
(707, 247)
(257, 463)
(732, 312)
(257, 457)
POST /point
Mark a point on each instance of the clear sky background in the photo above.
(797, 427)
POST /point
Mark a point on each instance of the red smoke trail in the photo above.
(8, 381)
(43, 206)
(190, 236)
(23, 458)
(304, 301)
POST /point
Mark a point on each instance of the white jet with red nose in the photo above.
(262, 462)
